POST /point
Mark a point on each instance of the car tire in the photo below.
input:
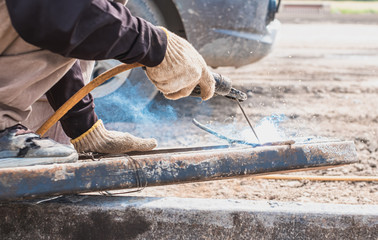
(135, 80)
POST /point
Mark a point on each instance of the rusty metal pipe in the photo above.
(166, 168)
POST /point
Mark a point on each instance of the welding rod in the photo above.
(246, 118)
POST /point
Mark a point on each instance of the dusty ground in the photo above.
(324, 77)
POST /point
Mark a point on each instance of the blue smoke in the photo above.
(117, 107)
(127, 109)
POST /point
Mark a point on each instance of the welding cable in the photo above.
(319, 178)
(70, 103)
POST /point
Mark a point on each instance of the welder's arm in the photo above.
(88, 29)
(99, 29)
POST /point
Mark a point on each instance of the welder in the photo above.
(40, 44)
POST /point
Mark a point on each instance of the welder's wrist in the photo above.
(89, 137)
(165, 31)
(99, 139)
(155, 50)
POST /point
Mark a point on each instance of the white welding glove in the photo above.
(98, 139)
(181, 70)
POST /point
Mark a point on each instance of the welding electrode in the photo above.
(223, 87)
(246, 118)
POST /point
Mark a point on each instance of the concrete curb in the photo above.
(100, 217)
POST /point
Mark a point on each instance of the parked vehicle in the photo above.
(225, 32)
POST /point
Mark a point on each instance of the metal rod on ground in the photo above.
(229, 140)
(238, 141)
(319, 178)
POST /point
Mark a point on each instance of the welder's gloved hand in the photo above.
(181, 70)
(98, 139)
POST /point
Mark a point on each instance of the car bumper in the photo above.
(228, 33)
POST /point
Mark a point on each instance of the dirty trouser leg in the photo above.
(24, 78)
(26, 72)
(41, 111)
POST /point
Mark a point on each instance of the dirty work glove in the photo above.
(181, 70)
(98, 139)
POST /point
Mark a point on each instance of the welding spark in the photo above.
(267, 129)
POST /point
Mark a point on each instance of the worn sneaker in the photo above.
(21, 147)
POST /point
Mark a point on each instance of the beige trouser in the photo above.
(41, 110)
(26, 72)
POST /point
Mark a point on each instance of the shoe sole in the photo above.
(23, 162)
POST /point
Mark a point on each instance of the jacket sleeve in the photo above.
(88, 29)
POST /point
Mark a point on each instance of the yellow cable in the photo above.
(319, 178)
(82, 93)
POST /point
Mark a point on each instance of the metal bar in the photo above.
(155, 151)
(221, 136)
(237, 141)
(320, 178)
(169, 168)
